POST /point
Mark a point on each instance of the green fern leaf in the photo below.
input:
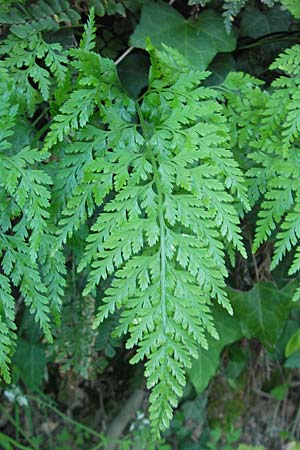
(7, 327)
(293, 6)
(160, 239)
(272, 136)
(89, 92)
(21, 58)
(43, 15)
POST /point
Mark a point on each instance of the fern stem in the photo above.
(162, 227)
(161, 221)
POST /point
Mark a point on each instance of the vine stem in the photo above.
(161, 221)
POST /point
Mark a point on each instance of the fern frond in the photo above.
(24, 228)
(43, 15)
(96, 89)
(111, 7)
(278, 200)
(273, 139)
(231, 9)
(293, 6)
(288, 236)
(7, 327)
(96, 76)
(24, 273)
(295, 267)
(75, 340)
(160, 238)
(22, 58)
(53, 273)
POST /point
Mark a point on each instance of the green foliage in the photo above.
(206, 365)
(293, 6)
(7, 327)
(141, 192)
(232, 436)
(198, 40)
(177, 172)
(75, 340)
(262, 312)
(31, 362)
(147, 235)
(231, 8)
(110, 7)
(259, 313)
(272, 133)
(256, 23)
(39, 16)
(25, 237)
(249, 447)
(294, 344)
(23, 58)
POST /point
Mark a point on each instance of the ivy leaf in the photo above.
(133, 72)
(220, 67)
(290, 327)
(207, 364)
(259, 313)
(294, 344)
(279, 392)
(293, 361)
(256, 23)
(262, 311)
(198, 40)
(31, 361)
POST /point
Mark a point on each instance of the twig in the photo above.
(296, 423)
(123, 56)
(126, 414)
(263, 394)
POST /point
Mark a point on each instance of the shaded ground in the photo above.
(257, 407)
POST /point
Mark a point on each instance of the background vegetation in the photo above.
(149, 215)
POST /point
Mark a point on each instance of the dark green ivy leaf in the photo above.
(133, 72)
(30, 359)
(259, 313)
(262, 311)
(199, 40)
(256, 23)
(206, 365)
